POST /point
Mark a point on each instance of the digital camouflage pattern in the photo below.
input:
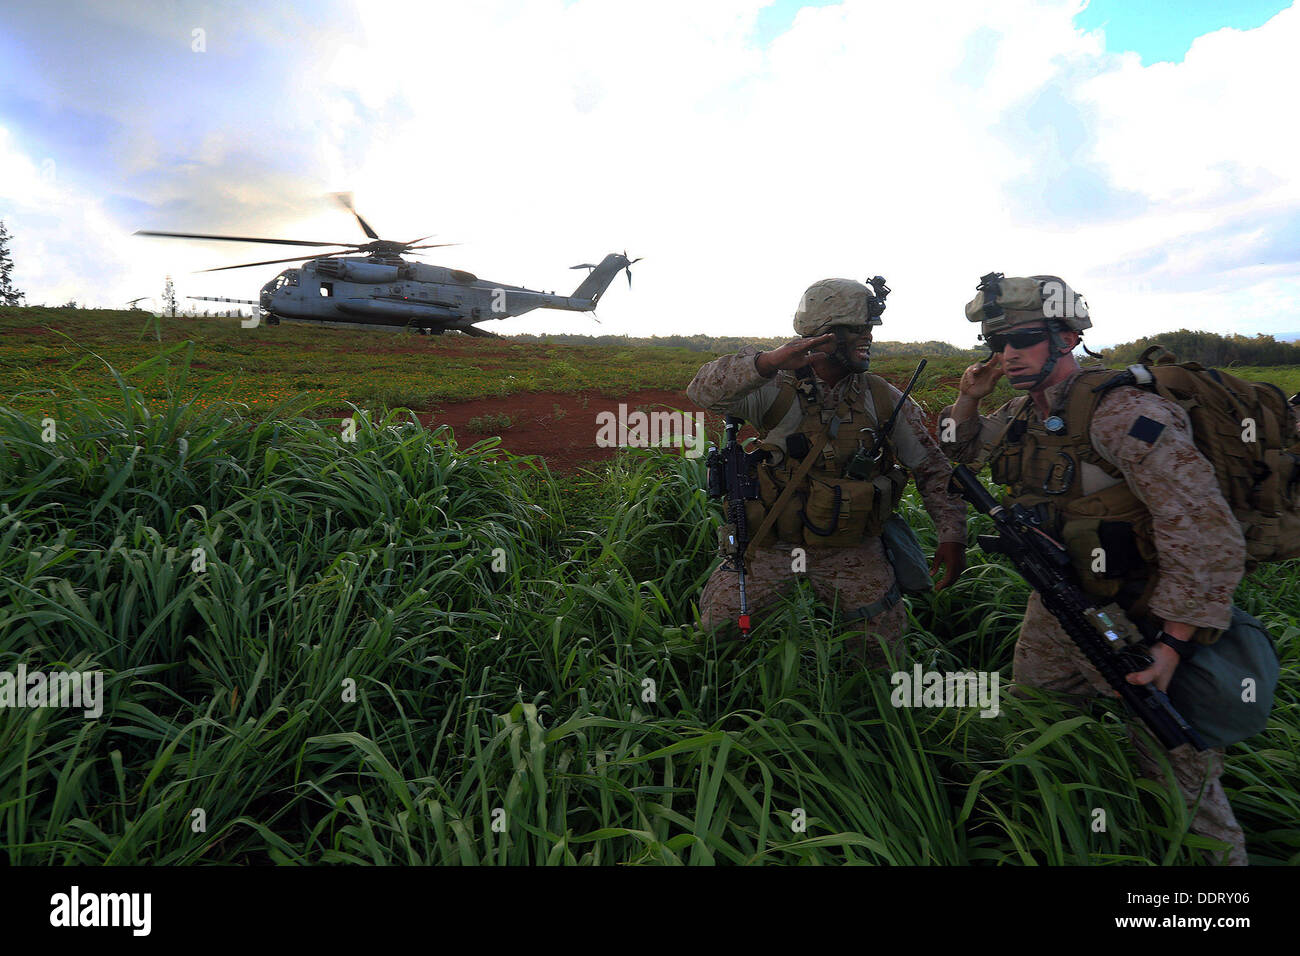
(850, 578)
(1201, 559)
(833, 302)
(1028, 299)
(731, 385)
(1202, 553)
(855, 577)
(1046, 657)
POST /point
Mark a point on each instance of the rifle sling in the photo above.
(770, 518)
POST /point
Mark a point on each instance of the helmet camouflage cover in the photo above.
(833, 302)
(1001, 303)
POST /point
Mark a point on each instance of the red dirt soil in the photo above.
(561, 427)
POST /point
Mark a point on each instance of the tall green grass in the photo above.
(501, 627)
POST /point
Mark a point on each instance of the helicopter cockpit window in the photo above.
(291, 279)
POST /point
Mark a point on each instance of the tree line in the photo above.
(728, 343)
(1210, 348)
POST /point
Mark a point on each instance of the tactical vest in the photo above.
(1108, 533)
(828, 509)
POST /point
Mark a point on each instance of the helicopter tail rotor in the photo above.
(628, 263)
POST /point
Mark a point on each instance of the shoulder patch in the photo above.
(1146, 429)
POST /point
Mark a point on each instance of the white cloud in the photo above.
(931, 146)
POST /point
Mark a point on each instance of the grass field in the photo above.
(62, 349)
(400, 650)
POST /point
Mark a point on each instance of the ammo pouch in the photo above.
(1207, 688)
(905, 554)
(842, 512)
(1108, 539)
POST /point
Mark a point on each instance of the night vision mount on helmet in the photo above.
(845, 307)
(1001, 304)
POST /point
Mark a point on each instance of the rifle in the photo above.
(1108, 645)
(731, 475)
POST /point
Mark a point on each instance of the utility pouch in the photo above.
(1092, 564)
(787, 526)
(888, 492)
(1210, 690)
(836, 515)
(905, 554)
(796, 446)
(727, 540)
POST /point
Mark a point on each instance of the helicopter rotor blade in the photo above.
(345, 200)
(217, 298)
(278, 242)
(432, 245)
(269, 262)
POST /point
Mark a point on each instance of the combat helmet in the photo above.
(840, 302)
(1000, 303)
(842, 306)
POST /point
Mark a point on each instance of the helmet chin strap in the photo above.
(1054, 347)
(846, 358)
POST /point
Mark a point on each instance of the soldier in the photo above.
(815, 393)
(1116, 476)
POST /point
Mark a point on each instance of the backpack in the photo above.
(1249, 433)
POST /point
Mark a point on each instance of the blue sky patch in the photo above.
(1162, 31)
(776, 18)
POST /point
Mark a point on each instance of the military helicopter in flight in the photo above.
(370, 284)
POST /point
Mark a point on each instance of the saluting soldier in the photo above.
(831, 479)
(1116, 478)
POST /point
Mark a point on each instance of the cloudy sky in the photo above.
(1145, 151)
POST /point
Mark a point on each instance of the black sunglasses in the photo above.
(1026, 338)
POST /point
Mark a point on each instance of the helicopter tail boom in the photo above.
(598, 281)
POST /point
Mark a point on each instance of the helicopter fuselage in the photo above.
(391, 291)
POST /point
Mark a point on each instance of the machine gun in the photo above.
(1109, 643)
(731, 475)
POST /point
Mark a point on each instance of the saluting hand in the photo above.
(979, 379)
(795, 354)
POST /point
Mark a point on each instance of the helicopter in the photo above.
(370, 284)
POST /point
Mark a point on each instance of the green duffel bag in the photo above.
(1210, 690)
(905, 554)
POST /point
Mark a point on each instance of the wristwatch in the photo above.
(1184, 649)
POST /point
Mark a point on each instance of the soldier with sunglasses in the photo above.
(1128, 493)
(829, 477)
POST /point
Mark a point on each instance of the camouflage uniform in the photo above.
(859, 579)
(1201, 560)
